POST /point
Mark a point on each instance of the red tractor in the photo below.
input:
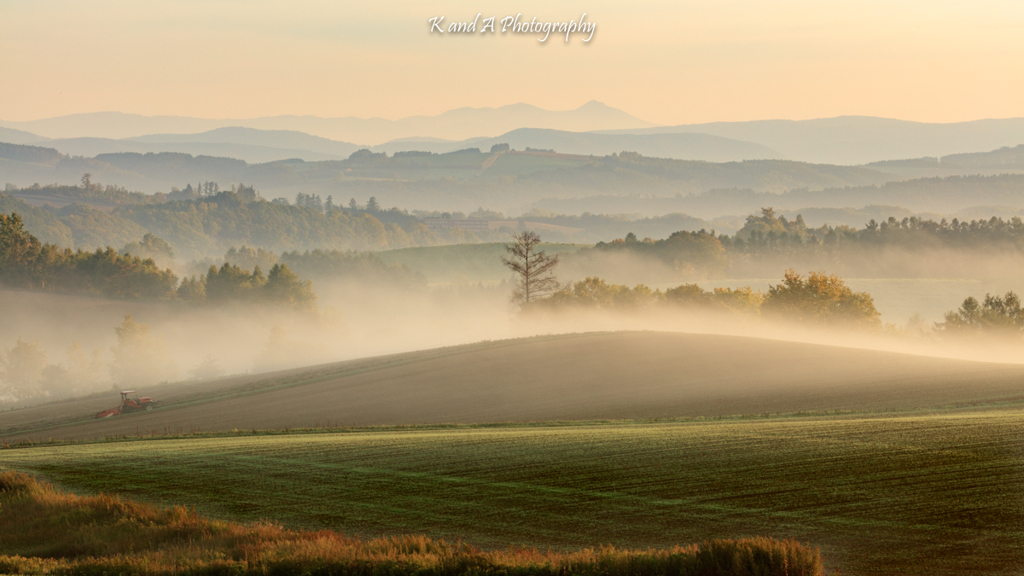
(129, 403)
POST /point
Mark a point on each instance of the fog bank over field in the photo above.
(360, 320)
(592, 376)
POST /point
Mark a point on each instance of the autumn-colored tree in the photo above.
(742, 300)
(688, 295)
(819, 298)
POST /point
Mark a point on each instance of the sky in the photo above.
(666, 62)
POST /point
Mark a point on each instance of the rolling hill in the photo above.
(844, 140)
(279, 139)
(252, 153)
(881, 494)
(258, 146)
(1002, 161)
(13, 136)
(677, 146)
(861, 139)
(572, 377)
(454, 124)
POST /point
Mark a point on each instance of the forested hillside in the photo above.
(515, 182)
(207, 225)
(28, 264)
(424, 179)
(909, 247)
(936, 195)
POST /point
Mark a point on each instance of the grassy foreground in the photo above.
(926, 494)
(59, 533)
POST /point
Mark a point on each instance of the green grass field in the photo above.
(926, 494)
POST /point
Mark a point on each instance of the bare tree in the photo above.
(534, 276)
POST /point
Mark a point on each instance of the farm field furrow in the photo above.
(935, 493)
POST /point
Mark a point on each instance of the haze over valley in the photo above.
(714, 289)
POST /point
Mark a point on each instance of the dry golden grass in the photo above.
(43, 530)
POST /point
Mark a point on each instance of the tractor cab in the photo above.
(130, 402)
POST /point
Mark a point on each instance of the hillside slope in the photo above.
(456, 124)
(582, 376)
(683, 146)
(861, 139)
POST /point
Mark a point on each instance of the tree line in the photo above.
(817, 298)
(769, 232)
(140, 357)
(28, 264)
(204, 220)
(768, 235)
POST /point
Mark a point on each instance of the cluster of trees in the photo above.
(314, 202)
(598, 227)
(768, 183)
(329, 265)
(88, 190)
(815, 299)
(351, 265)
(212, 224)
(204, 223)
(189, 193)
(151, 247)
(770, 237)
(994, 316)
(28, 264)
(695, 253)
(26, 372)
(818, 298)
(140, 358)
(769, 232)
(231, 283)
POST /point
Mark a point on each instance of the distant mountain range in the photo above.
(259, 146)
(457, 124)
(12, 136)
(852, 140)
(241, 143)
(687, 146)
(593, 128)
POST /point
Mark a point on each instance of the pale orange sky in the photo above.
(668, 62)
